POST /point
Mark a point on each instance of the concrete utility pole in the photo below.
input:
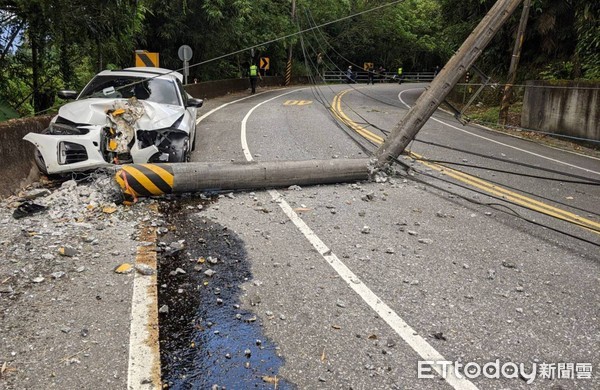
(441, 86)
(514, 62)
(288, 66)
(157, 179)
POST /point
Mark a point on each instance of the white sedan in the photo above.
(134, 115)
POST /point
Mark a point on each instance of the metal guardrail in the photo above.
(386, 77)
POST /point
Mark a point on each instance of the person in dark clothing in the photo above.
(254, 74)
(349, 75)
(371, 74)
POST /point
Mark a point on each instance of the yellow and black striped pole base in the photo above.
(138, 180)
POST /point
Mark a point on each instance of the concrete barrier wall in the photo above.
(569, 108)
(16, 155)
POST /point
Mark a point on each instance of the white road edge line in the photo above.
(408, 334)
(141, 354)
(498, 142)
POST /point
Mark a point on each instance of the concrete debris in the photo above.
(209, 272)
(508, 264)
(164, 309)
(67, 251)
(368, 197)
(57, 275)
(144, 269)
(38, 279)
(365, 230)
(426, 241)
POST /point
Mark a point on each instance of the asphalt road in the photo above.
(359, 282)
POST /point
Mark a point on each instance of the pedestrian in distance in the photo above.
(371, 74)
(254, 75)
(349, 75)
(381, 74)
(400, 75)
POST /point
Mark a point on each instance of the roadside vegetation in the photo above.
(47, 45)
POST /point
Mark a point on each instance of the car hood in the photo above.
(93, 112)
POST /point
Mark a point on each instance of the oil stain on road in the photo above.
(207, 340)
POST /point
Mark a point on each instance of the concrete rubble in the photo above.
(57, 274)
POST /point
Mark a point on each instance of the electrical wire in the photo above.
(512, 211)
(572, 175)
(595, 183)
(281, 38)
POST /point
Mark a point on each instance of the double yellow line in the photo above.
(471, 180)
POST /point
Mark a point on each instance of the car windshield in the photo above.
(117, 87)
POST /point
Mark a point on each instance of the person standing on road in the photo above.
(371, 74)
(400, 76)
(349, 75)
(254, 74)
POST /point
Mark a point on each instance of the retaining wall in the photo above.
(16, 155)
(569, 108)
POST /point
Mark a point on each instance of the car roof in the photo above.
(143, 72)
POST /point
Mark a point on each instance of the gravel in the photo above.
(57, 276)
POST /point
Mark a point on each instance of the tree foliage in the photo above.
(46, 45)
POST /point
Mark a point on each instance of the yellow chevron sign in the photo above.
(145, 58)
(264, 63)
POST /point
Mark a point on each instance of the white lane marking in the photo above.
(143, 371)
(225, 105)
(408, 334)
(243, 132)
(498, 142)
(144, 358)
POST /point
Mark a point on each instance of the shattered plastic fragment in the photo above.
(26, 209)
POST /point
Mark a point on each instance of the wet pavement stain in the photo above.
(207, 341)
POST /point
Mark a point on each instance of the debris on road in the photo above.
(124, 268)
(27, 209)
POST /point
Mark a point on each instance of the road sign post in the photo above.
(185, 54)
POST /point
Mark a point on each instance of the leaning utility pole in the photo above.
(514, 62)
(441, 86)
(288, 66)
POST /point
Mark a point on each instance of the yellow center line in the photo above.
(471, 180)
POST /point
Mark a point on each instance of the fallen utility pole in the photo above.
(514, 63)
(441, 86)
(138, 180)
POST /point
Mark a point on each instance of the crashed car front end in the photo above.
(94, 133)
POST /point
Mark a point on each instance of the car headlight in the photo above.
(64, 129)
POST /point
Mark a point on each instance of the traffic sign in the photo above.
(185, 53)
(144, 58)
(368, 65)
(264, 63)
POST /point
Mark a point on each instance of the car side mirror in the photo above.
(193, 102)
(67, 94)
